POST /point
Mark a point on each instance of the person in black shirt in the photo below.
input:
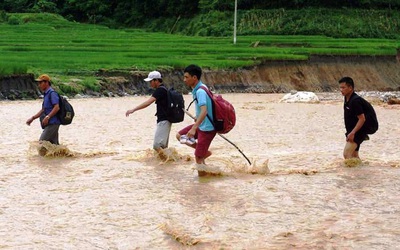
(359, 118)
(159, 96)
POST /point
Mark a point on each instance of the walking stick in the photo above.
(223, 137)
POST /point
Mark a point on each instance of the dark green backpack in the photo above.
(66, 112)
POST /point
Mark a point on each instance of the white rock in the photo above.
(300, 96)
(386, 96)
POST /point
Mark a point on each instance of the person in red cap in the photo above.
(160, 97)
(47, 114)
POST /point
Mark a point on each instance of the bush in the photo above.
(13, 20)
(66, 89)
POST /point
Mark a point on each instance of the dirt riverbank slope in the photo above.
(318, 74)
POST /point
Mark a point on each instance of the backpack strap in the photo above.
(166, 89)
(190, 104)
(163, 86)
(51, 91)
(50, 96)
(50, 103)
(212, 102)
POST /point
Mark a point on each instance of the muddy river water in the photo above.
(105, 189)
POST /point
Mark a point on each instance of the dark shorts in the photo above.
(359, 137)
(204, 139)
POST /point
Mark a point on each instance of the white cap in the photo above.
(153, 75)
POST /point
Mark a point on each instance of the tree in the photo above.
(217, 5)
(90, 10)
(45, 6)
(18, 5)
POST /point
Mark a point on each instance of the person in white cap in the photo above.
(160, 97)
(48, 113)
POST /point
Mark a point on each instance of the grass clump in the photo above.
(12, 69)
(72, 85)
(91, 83)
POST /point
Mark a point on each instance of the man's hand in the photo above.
(350, 137)
(30, 120)
(130, 111)
(45, 121)
(191, 132)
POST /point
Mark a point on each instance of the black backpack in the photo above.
(66, 112)
(176, 106)
(371, 124)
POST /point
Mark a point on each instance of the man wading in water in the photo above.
(202, 130)
(160, 96)
(48, 118)
(359, 118)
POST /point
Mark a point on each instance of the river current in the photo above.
(104, 188)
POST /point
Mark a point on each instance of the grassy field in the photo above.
(40, 43)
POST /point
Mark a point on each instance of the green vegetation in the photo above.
(48, 43)
(7, 68)
(67, 85)
(338, 23)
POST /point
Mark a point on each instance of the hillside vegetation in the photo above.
(354, 18)
(337, 23)
(47, 42)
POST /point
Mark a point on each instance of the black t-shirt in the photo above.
(161, 101)
(355, 107)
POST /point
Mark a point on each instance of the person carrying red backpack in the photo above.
(200, 134)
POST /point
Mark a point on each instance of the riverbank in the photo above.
(318, 74)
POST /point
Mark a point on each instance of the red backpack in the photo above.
(223, 113)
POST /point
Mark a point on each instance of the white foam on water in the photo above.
(222, 166)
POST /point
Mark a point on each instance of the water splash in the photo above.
(94, 154)
(178, 234)
(47, 149)
(352, 162)
(167, 155)
(296, 171)
(221, 166)
(171, 155)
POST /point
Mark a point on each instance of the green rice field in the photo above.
(48, 43)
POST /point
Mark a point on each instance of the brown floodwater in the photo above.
(103, 188)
